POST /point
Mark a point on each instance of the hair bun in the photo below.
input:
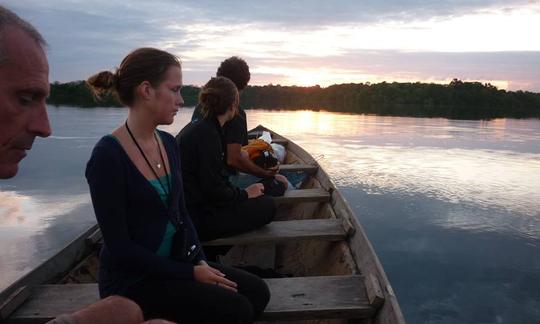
(217, 97)
(105, 80)
(102, 83)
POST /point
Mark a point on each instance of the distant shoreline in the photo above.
(457, 100)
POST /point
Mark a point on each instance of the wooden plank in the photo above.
(280, 141)
(287, 231)
(256, 134)
(259, 255)
(13, 301)
(253, 134)
(55, 267)
(361, 248)
(317, 298)
(49, 301)
(374, 290)
(303, 195)
(308, 168)
(94, 238)
(291, 298)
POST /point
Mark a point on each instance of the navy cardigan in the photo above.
(133, 218)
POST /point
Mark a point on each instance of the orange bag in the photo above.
(261, 153)
(256, 147)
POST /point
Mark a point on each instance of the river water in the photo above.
(452, 207)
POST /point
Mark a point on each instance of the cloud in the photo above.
(336, 41)
(308, 13)
(83, 40)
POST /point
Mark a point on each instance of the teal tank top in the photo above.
(164, 249)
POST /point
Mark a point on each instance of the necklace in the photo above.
(148, 162)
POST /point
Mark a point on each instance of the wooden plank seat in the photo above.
(292, 298)
(49, 301)
(290, 197)
(303, 195)
(305, 298)
(257, 134)
(287, 231)
(307, 168)
(280, 141)
(95, 238)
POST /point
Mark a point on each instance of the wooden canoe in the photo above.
(333, 273)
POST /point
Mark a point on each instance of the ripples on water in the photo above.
(452, 207)
(461, 162)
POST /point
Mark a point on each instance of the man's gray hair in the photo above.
(9, 19)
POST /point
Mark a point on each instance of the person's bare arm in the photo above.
(238, 161)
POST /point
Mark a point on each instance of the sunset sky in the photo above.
(301, 42)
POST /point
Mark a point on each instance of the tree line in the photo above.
(456, 100)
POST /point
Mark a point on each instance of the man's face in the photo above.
(24, 86)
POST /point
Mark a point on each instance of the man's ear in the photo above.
(145, 90)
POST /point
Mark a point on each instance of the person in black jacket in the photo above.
(218, 208)
(151, 252)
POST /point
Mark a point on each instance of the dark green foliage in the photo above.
(457, 100)
(78, 94)
(190, 95)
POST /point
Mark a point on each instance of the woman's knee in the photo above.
(237, 310)
(270, 207)
(260, 295)
(266, 209)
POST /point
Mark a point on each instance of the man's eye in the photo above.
(25, 100)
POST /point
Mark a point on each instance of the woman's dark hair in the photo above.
(235, 69)
(217, 96)
(143, 64)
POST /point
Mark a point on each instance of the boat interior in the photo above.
(324, 268)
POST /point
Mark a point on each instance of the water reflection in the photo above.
(452, 207)
(474, 163)
(18, 212)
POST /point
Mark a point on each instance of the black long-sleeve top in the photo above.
(133, 218)
(203, 167)
(235, 130)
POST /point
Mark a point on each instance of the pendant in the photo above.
(159, 165)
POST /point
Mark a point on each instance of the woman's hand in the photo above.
(282, 179)
(207, 274)
(270, 172)
(255, 190)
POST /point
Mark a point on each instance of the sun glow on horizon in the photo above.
(325, 77)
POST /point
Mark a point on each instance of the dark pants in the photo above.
(189, 301)
(213, 223)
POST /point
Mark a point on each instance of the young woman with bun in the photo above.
(218, 208)
(151, 252)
